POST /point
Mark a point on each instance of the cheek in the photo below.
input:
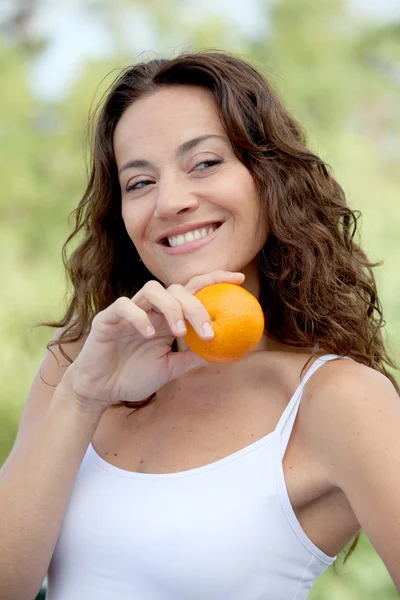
(135, 222)
(245, 186)
(248, 201)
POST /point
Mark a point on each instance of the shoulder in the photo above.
(347, 384)
(54, 362)
(352, 423)
(345, 376)
(346, 408)
(48, 375)
(41, 392)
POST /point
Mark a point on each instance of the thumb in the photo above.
(182, 362)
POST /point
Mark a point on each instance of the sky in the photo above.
(379, 9)
(73, 36)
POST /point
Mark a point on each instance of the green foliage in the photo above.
(335, 73)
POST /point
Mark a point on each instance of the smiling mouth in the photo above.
(196, 234)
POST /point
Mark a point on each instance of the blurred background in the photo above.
(336, 63)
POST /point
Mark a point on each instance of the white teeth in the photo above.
(190, 236)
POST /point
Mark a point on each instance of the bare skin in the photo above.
(59, 423)
(201, 418)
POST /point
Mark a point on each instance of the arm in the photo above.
(36, 481)
(37, 478)
(352, 419)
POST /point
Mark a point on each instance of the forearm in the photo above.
(34, 492)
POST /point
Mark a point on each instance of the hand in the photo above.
(123, 360)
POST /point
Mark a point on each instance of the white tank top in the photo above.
(224, 531)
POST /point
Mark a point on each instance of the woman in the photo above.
(141, 470)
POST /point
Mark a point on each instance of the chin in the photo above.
(183, 277)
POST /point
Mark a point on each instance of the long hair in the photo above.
(317, 285)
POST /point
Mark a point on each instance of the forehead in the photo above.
(170, 115)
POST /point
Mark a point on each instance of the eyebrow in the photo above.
(181, 150)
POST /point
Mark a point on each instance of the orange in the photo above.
(237, 320)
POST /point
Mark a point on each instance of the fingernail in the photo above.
(150, 331)
(180, 326)
(207, 329)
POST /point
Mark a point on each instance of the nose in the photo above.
(174, 197)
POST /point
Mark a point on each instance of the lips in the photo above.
(190, 246)
(184, 229)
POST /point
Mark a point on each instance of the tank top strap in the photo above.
(286, 422)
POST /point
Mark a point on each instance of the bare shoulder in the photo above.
(343, 405)
(54, 363)
(344, 382)
(352, 423)
(47, 377)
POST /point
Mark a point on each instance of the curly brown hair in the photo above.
(317, 285)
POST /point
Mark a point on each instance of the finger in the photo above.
(180, 363)
(200, 281)
(154, 296)
(123, 309)
(141, 297)
(193, 310)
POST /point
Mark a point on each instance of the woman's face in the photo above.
(189, 205)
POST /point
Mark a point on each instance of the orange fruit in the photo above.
(237, 320)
